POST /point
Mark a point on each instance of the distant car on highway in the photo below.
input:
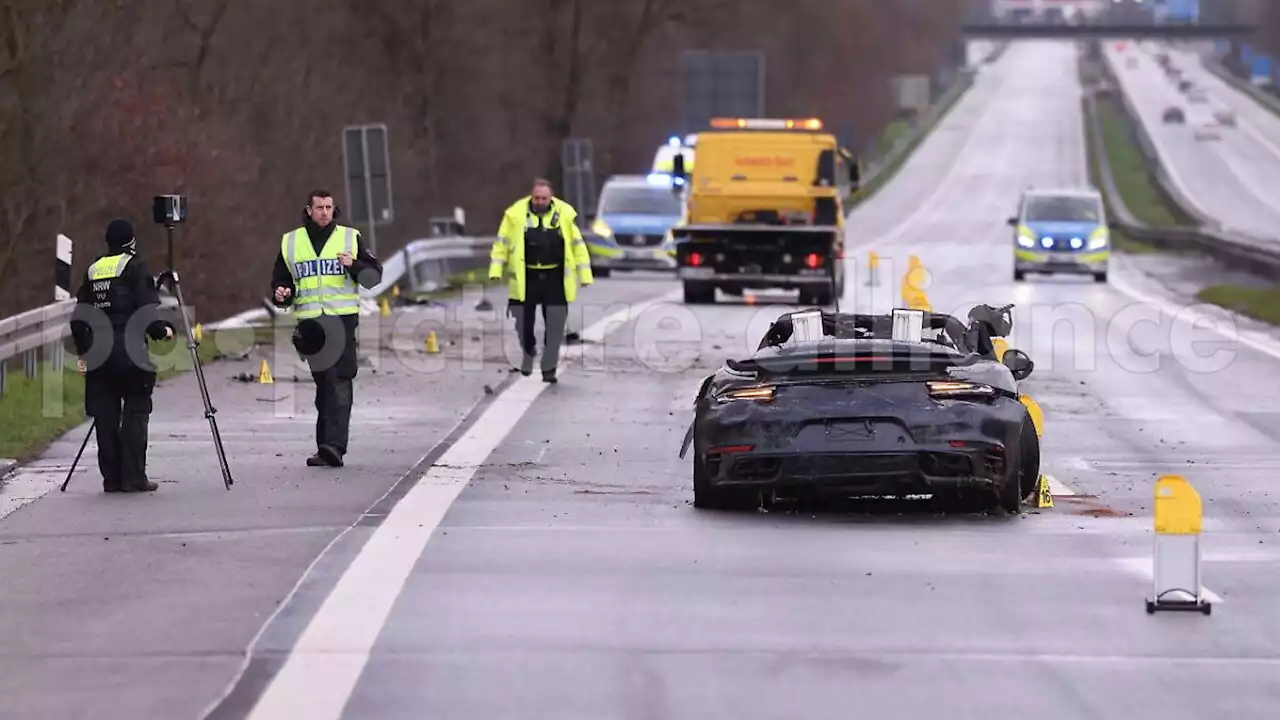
(1173, 116)
(1225, 117)
(849, 404)
(1061, 231)
(1204, 125)
(1196, 95)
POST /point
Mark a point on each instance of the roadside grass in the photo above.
(1260, 303)
(1133, 180)
(32, 415)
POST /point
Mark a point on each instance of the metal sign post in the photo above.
(367, 168)
(579, 176)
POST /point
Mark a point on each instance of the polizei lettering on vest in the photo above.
(311, 268)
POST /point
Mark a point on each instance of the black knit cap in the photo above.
(119, 233)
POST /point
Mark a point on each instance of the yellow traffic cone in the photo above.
(433, 345)
(385, 307)
(395, 291)
(264, 374)
(198, 332)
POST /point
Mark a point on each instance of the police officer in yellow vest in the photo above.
(319, 271)
(541, 253)
(116, 304)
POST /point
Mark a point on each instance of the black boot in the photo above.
(146, 486)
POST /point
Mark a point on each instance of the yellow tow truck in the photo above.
(764, 210)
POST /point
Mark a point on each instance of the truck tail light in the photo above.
(695, 259)
(813, 260)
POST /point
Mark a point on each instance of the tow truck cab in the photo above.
(765, 209)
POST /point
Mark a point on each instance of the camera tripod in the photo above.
(171, 277)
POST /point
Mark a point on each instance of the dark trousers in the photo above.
(545, 288)
(334, 369)
(120, 403)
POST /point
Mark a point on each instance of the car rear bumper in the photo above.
(606, 253)
(922, 471)
(652, 260)
(1065, 262)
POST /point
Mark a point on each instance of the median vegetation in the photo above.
(1147, 202)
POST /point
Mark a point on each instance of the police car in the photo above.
(1061, 231)
(633, 222)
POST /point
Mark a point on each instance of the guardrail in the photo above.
(888, 163)
(1232, 248)
(1215, 67)
(425, 265)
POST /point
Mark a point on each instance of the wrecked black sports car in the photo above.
(900, 404)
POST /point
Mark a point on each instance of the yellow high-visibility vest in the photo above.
(109, 267)
(321, 285)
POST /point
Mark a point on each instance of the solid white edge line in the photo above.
(321, 671)
(1174, 310)
(1057, 488)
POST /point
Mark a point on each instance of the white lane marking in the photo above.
(1174, 310)
(1144, 567)
(322, 669)
(1057, 488)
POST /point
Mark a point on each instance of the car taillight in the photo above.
(759, 393)
(813, 260)
(960, 390)
(695, 259)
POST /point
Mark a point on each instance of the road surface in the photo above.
(549, 564)
(1229, 180)
(556, 569)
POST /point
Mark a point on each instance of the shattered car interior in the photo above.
(985, 322)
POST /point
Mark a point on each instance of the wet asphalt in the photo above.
(565, 573)
(1227, 180)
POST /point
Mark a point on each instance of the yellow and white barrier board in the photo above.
(1176, 572)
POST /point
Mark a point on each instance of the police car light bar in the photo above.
(767, 123)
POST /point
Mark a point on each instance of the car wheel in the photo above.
(1030, 470)
(1018, 276)
(1009, 494)
(1100, 277)
(600, 272)
(708, 497)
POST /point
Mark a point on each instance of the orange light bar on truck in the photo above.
(767, 123)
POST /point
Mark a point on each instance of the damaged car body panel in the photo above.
(860, 412)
